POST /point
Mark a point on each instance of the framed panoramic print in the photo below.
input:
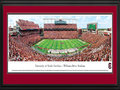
(60, 44)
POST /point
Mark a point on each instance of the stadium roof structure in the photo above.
(27, 25)
(54, 27)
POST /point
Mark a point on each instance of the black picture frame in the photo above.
(58, 3)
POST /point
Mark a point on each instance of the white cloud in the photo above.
(98, 18)
(104, 21)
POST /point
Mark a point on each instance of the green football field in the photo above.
(46, 44)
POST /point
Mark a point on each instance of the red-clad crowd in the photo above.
(67, 31)
(29, 32)
(95, 39)
(25, 24)
(20, 49)
(60, 27)
(60, 34)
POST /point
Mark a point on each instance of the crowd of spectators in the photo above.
(54, 27)
(28, 32)
(25, 24)
(30, 39)
(65, 31)
(95, 39)
(20, 49)
(61, 34)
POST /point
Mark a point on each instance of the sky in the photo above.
(103, 20)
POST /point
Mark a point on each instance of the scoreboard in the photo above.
(92, 26)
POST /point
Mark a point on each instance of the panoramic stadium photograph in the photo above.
(60, 37)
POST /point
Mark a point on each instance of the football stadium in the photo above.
(58, 41)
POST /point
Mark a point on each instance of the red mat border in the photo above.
(60, 78)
